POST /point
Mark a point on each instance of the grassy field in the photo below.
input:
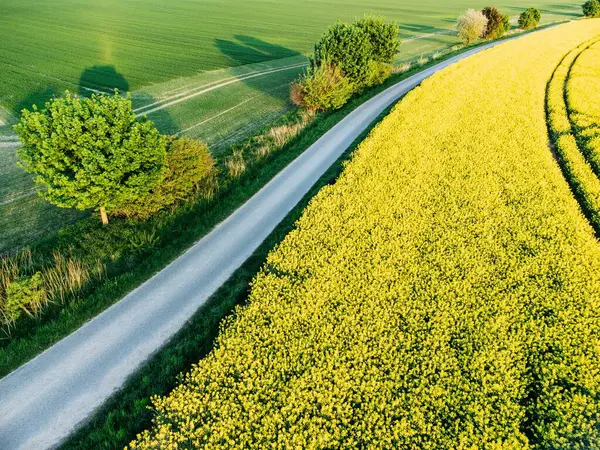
(443, 293)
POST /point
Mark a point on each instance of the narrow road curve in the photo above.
(45, 399)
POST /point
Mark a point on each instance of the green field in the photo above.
(216, 70)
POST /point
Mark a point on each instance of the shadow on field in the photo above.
(248, 50)
(38, 98)
(101, 78)
(106, 78)
(562, 10)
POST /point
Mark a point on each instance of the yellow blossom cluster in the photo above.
(443, 293)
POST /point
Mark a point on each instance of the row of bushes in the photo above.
(491, 24)
(347, 59)
(443, 293)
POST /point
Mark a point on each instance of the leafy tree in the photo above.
(322, 88)
(591, 8)
(495, 27)
(347, 47)
(91, 153)
(383, 37)
(529, 18)
(188, 163)
(471, 26)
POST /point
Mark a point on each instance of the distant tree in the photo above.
(91, 153)
(506, 23)
(591, 8)
(346, 47)
(495, 27)
(529, 18)
(471, 26)
(383, 37)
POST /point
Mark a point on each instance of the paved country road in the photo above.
(45, 399)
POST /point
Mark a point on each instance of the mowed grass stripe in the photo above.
(443, 293)
(576, 168)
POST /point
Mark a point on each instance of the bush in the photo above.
(471, 26)
(383, 37)
(591, 8)
(24, 295)
(188, 162)
(325, 87)
(91, 153)
(378, 73)
(347, 47)
(529, 18)
(496, 26)
(506, 23)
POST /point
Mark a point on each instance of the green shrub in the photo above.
(324, 87)
(378, 73)
(529, 18)
(496, 26)
(591, 8)
(26, 295)
(506, 23)
(383, 37)
(91, 153)
(471, 26)
(188, 162)
(347, 47)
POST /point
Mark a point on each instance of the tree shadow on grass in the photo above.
(248, 50)
(105, 79)
(562, 10)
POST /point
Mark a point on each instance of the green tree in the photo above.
(495, 27)
(346, 47)
(506, 23)
(529, 18)
(591, 8)
(91, 153)
(383, 37)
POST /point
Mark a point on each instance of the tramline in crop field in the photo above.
(578, 159)
(443, 293)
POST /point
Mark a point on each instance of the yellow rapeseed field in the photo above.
(444, 293)
(568, 104)
(583, 97)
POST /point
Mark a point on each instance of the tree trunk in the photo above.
(103, 216)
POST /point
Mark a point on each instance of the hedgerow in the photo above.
(584, 182)
(444, 293)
